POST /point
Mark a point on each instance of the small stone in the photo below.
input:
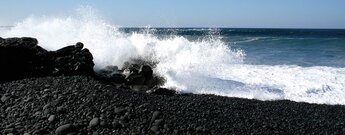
(154, 129)
(46, 106)
(94, 122)
(9, 130)
(65, 129)
(10, 126)
(199, 129)
(116, 124)
(51, 118)
(46, 111)
(123, 123)
(119, 110)
(166, 127)
(38, 113)
(28, 99)
(18, 124)
(124, 118)
(155, 115)
(46, 90)
(5, 97)
(26, 134)
(61, 109)
(55, 102)
(176, 132)
(45, 96)
(158, 122)
(103, 123)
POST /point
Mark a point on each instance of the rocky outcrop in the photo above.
(133, 76)
(23, 58)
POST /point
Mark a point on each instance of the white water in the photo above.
(208, 66)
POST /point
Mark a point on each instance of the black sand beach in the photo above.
(43, 105)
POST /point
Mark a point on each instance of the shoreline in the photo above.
(58, 92)
(95, 107)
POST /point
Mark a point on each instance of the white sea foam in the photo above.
(207, 66)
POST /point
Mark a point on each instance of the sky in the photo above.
(190, 13)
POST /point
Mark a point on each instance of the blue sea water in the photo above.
(302, 47)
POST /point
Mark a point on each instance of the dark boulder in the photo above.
(135, 79)
(18, 57)
(22, 58)
(140, 77)
(68, 50)
(94, 122)
(135, 76)
(71, 60)
(65, 129)
(111, 74)
(146, 71)
(117, 78)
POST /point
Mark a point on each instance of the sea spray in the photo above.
(204, 66)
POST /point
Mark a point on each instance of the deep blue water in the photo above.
(302, 47)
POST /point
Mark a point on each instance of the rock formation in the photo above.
(23, 58)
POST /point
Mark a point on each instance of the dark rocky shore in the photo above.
(67, 100)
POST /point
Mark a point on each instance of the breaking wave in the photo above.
(205, 66)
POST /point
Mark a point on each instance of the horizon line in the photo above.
(205, 27)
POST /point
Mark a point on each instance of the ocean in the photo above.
(303, 65)
(302, 47)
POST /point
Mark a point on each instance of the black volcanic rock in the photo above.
(146, 71)
(111, 74)
(71, 60)
(94, 122)
(135, 75)
(65, 129)
(22, 58)
(140, 77)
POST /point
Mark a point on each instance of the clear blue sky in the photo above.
(191, 13)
